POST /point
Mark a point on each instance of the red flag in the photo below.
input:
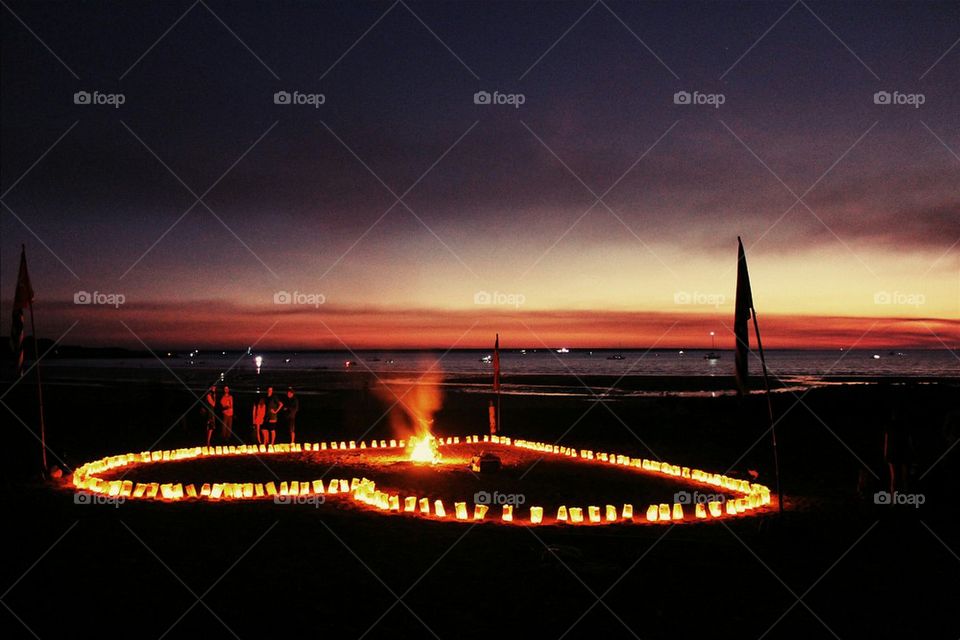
(496, 365)
(741, 317)
(22, 299)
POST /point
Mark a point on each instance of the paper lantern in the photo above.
(594, 513)
(677, 511)
(653, 513)
(664, 512)
(562, 514)
(258, 490)
(628, 512)
(731, 508)
(461, 508)
(611, 513)
(701, 510)
(507, 513)
(438, 509)
(410, 504)
(294, 488)
(334, 485)
(536, 515)
(227, 490)
(126, 488)
(344, 486)
(216, 491)
(715, 509)
(271, 489)
(576, 514)
(141, 488)
(284, 489)
(480, 511)
(318, 486)
(425, 506)
(741, 504)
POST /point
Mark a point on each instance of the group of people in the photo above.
(269, 412)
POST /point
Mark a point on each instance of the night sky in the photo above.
(598, 212)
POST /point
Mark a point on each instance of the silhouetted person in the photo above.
(259, 413)
(274, 406)
(897, 451)
(492, 413)
(226, 404)
(291, 407)
(209, 410)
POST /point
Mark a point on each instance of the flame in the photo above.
(424, 449)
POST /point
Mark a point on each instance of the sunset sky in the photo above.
(598, 213)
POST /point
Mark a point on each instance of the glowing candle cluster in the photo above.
(746, 496)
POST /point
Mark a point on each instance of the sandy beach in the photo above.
(339, 568)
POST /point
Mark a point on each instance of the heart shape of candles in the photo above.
(749, 497)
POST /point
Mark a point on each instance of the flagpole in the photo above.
(773, 426)
(36, 365)
(499, 425)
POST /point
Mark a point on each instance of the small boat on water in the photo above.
(563, 350)
(616, 356)
(488, 359)
(712, 355)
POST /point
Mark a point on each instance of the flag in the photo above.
(496, 365)
(741, 318)
(22, 299)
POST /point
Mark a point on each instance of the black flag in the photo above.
(741, 319)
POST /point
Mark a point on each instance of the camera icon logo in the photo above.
(882, 297)
(82, 497)
(481, 97)
(482, 297)
(482, 497)
(282, 297)
(82, 297)
(681, 297)
(683, 497)
(81, 97)
(881, 97)
(682, 97)
(882, 497)
(281, 97)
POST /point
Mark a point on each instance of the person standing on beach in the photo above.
(226, 404)
(274, 406)
(209, 411)
(492, 413)
(259, 413)
(291, 407)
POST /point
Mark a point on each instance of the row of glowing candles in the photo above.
(364, 491)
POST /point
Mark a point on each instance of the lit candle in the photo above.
(536, 515)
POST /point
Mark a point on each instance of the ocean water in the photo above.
(784, 364)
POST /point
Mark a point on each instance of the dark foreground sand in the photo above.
(262, 569)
